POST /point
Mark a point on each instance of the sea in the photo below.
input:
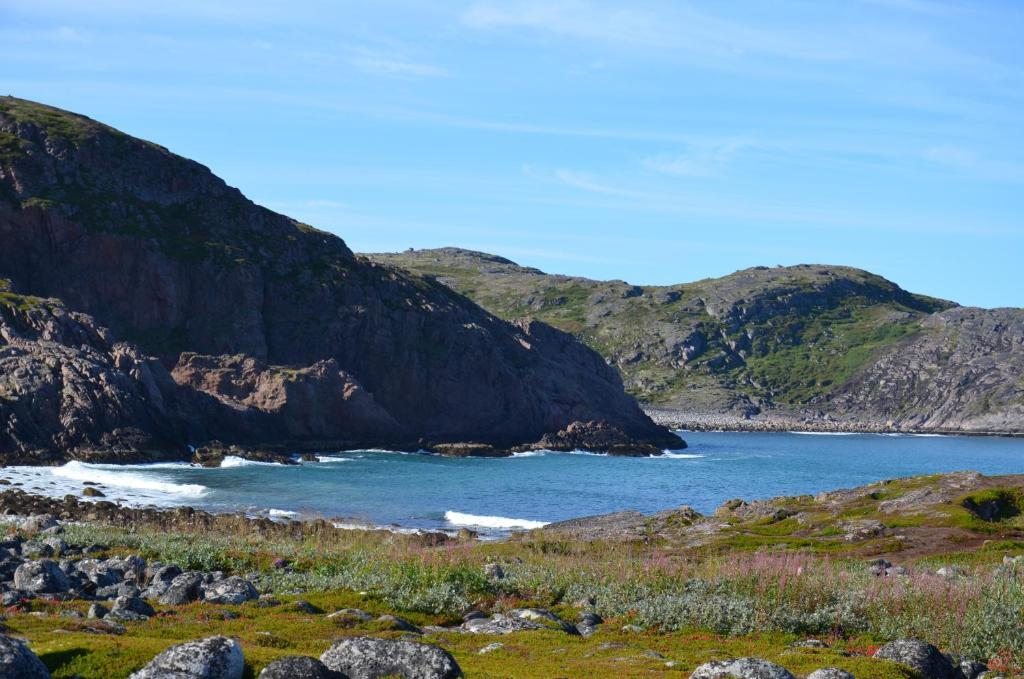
(494, 496)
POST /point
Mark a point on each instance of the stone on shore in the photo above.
(298, 667)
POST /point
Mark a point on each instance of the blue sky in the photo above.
(655, 142)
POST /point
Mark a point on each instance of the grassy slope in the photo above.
(796, 356)
(752, 589)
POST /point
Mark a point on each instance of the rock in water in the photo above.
(18, 662)
(918, 655)
(41, 577)
(367, 658)
(210, 658)
(741, 668)
(298, 667)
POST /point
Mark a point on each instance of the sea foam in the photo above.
(501, 522)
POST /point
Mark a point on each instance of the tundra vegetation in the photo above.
(932, 558)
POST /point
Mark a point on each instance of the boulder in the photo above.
(233, 590)
(741, 668)
(97, 611)
(18, 662)
(41, 577)
(210, 658)
(830, 673)
(499, 624)
(38, 523)
(494, 571)
(366, 658)
(130, 608)
(36, 549)
(184, 589)
(350, 617)
(395, 623)
(298, 667)
(919, 656)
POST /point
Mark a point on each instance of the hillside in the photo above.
(811, 346)
(296, 340)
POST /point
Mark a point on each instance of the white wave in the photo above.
(231, 461)
(340, 525)
(670, 455)
(531, 453)
(331, 458)
(460, 519)
(281, 512)
(79, 471)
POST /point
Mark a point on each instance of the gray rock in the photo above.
(918, 655)
(544, 617)
(393, 622)
(210, 658)
(741, 668)
(493, 571)
(34, 549)
(809, 643)
(38, 523)
(12, 597)
(298, 667)
(366, 658)
(18, 662)
(949, 572)
(97, 611)
(499, 624)
(830, 673)
(970, 669)
(233, 590)
(100, 572)
(348, 617)
(184, 589)
(490, 648)
(43, 576)
(130, 608)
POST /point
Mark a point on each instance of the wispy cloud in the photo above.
(707, 159)
(969, 162)
(392, 65)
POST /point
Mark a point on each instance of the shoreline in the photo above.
(775, 422)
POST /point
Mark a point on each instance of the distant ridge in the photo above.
(805, 347)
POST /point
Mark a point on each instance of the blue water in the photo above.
(416, 491)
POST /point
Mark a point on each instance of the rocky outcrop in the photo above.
(275, 332)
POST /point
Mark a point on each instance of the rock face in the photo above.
(16, 660)
(920, 656)
(366, 658)
(211, 658)
(267, 331)
(808, 346)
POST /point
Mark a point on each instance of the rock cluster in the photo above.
(126, 583)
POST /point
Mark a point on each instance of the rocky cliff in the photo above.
(818, 347)
(263, 315)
